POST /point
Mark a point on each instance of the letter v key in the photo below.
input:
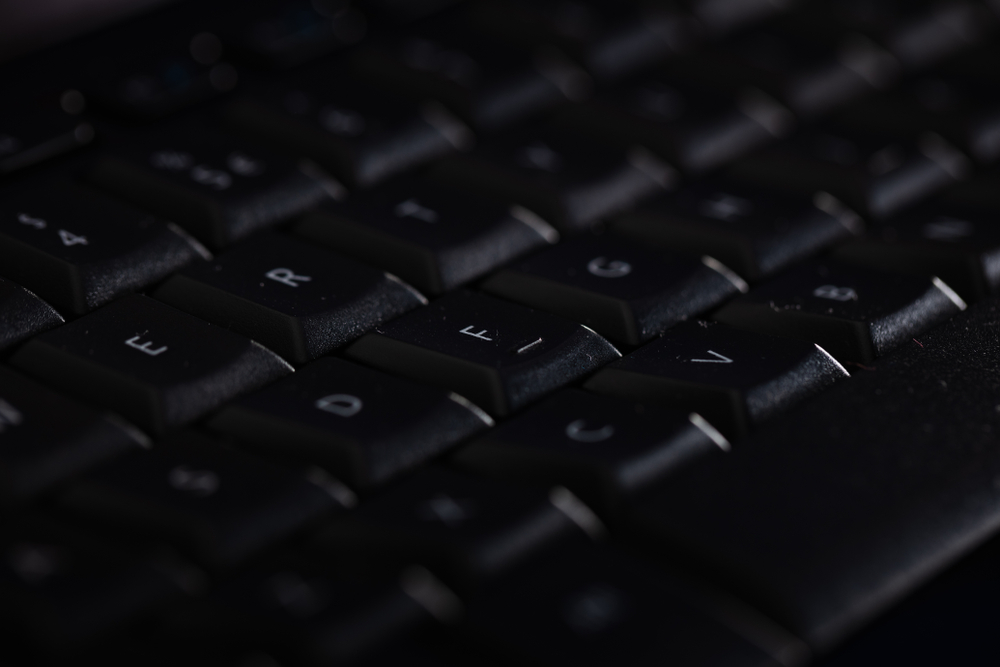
(719, 359)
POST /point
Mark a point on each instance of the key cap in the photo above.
(22, 314)
(694, 129)
(754, 232)
(734, 379)
(462, 527)
(276, 35)
(874, 175)
(78, 249)
(559, 175)
(36, 130)
(488, 84)
(433, 237)
(617, 287)
(960, 245)
(855, 313)
(218, 188)
(359, 134)
(46, 438)
(594, 606)
(301, 612)
(63, 590)
(723, 17)
(141, 79)
(826, 527)
(612, 40)
(297, 300)
(220, 506)
(362, 425)
(499, 355)
(158, 367)
(600, 447)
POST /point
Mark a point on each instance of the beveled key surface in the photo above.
(298, 300)
(854, 312)
(22, 314)
(157, 366)
(499, 355)
(734, 378)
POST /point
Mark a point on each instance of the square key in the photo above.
(360, 134)
(499, 355)
(296, 299)
(749, 229)
(855, 313)
(563, 176)
(78, 248)
(621, 289)
(434, 237)
(157, 366)
(217, 187)
(22, 314)
(734, 379)
(362, 425)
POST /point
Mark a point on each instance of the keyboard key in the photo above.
(847, 505)
(617, 287)
(46, 438)
(62, 590)
(752, 231)
(484, 81)
(594, 606)
(855, 313)
(433, 237)
(499, 355)
(463, 527)
(35, 131)
(218, 188)
(362, 425)
(22, 314)
(559, 175)
(960, 245)
(694, 129)
(602, 448)
(297, 300)
(723, 17)
(157, 366)
(78, 249)
(220, 506)
(359, 134)
(735, 379)
(876, 176)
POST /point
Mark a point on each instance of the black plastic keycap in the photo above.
(157, 366)
(363, 425)
(22, 314)
(433, 237)
(855, 313)
(735, 379)
(621, 289)
(602, 448)
(484, 81)
(359, 134)
(46, 438)
(751, 231)
(219, 188)
(62, 590)
(959, 244)
(875, 175)
(847, 505)
(220, 506)
(78, 249)
(499, 355)
(562, 176)
(692, 128)
(296, 299)
(34, 130)
(463, 527)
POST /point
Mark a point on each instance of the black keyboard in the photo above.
(503, 332)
